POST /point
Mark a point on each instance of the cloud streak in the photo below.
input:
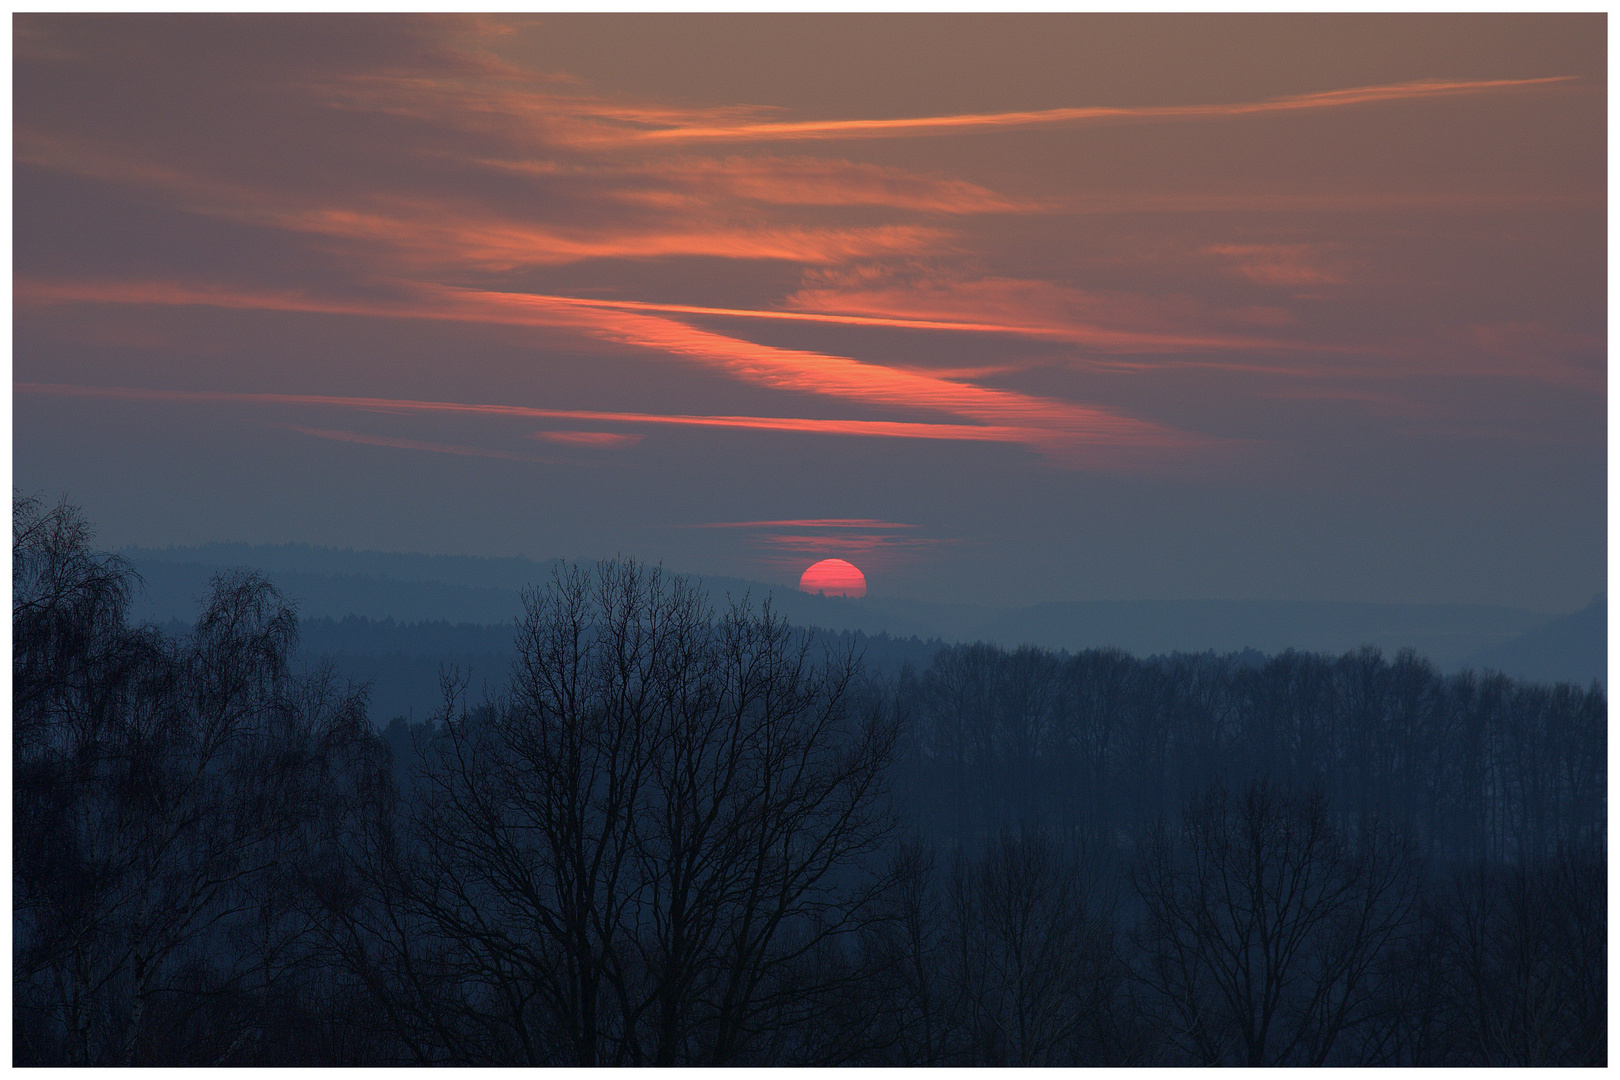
(858, 428)
(963, 122)
(890, 309)
(802, 523)
(505, 102)
(686, 183)
(452, 185)
(604, 440)
(1047, 424)
(1052, 426)
(417, 444)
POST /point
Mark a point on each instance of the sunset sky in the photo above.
(1000, 309)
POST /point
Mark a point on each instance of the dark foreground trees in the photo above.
(1264, 925)
(1005, 957)
(669, 842)
(641, 854)
(1510, 968)
(167, 797)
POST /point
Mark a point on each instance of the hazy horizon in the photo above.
(251, 549)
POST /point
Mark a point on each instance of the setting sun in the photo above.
(833, 577)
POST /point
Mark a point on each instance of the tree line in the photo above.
(1469, 767)
(685, 835)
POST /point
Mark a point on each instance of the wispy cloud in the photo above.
(425, 234)
(516, 106)
(893, 429)
(697, 131)
(802, 523)
(1287, 265)
(870, 551)
(788, 543)
(689, 182)
(1052, 426)
(433, 234)
(606, 440)
(500, 175)
(541, 310)
(1549, 353)
(417, 444)
(852, 543)
(1044, 423)
(1115, 323)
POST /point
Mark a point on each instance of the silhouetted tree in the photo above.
(1526, 951)
(632, 855)
(166, 797)
(669, 842)
(1030, 945)
(1263, 922)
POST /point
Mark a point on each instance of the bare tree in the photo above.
(1030, 941)
(166, 795)
(636, 850)
(1527, 952)
(1262, 925)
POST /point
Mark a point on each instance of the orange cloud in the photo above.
(929, 125)
(907, 312)
(1045, 422)
(437, 233)
(1042, 423)
(864, 428)
(432, 234)
(780, 181)
(507, 103)
(515, 105)
(1126, 324)
(529, 309)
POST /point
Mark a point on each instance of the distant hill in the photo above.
(332, 583)
(1444, 633)
(337, 582)
(1573, 648)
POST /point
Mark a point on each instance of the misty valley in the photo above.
(646, 824)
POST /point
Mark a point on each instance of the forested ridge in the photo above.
(689, 835)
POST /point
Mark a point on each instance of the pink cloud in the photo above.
(1054, 427)
(688, 183)
(803, 523)
(1537, 351)
(607, 440)
(1288, 265)
(802, 425)
(425, 234)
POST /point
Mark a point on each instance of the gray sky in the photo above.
(1000, 309)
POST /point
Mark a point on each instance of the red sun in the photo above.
(834, 577)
